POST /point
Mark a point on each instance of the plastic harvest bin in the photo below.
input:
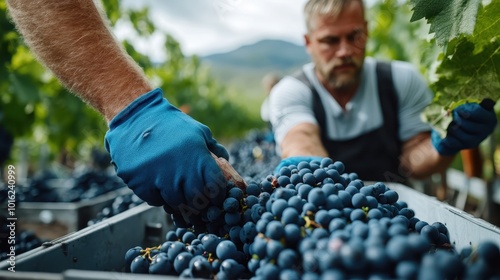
(51, 220)
(97, 252)
(98, 248)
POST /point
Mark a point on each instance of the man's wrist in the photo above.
(441, 146)
(150, 99)
(120, 103)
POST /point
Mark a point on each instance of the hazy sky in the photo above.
(210, 26)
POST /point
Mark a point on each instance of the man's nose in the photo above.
(345, 48)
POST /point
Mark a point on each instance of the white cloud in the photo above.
(210, 26)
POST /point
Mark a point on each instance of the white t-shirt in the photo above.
(291, 104)
(264, 110)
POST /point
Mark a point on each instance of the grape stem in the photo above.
(310, 222)
(147, 252)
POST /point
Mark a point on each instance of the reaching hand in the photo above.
(165, 156)
(472, 123)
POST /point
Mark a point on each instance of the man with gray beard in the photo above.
(363, 112)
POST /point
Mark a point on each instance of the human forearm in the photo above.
(420, 159)
(303, 140)
(75, 43)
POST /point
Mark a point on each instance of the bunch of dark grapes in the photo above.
(90, 184)
(120, 204)
(24, 241)
(314, 221)
(80, 187)
(38, 189)
(254, 155)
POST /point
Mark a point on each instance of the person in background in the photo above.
(167, 158)
(364, 112)
(268, 82)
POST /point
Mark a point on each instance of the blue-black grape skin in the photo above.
(315, 221)
(162, 265)
(139, 264)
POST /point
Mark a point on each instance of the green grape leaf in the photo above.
(24, 86)
(437, 117)
(487, 26)
(448, 19)
(469, 69)
(467, 75)
(141, 21)
(112, 9)
(463, 77)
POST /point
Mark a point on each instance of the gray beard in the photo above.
(344, 84)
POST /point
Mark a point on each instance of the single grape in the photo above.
(131, 254)
(181, 261)
(275, 230)
(231, 205)
(430, 232)
(200, 268)
(288, 258)
(226, 250)
(162, 265)
(140, 264)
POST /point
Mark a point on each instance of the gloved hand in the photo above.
(294, 161)
(472, 123)
(164, 156)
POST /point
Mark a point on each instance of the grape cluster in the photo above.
(254, 155)
(314, 221)
(80, 187)
(25, 240)
(120, 204)
(90, 184)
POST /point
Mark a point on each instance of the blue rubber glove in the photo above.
(472, 123)
(294, 161)
(164, 156)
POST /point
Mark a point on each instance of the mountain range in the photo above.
(242, 69)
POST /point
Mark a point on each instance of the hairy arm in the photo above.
(74, 41)
(421, 159)
(303, 140)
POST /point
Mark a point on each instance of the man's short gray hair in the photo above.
(324, 7)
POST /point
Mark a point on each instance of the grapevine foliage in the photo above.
(448, 19)
(36, 109)
(468, 69)
(469, 74)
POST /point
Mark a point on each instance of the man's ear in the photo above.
(307, 41)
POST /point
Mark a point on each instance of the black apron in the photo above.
(374, 156)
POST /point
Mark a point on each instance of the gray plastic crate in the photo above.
(465, 229)
(50, 220)
(98, 248)
(97, 252)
